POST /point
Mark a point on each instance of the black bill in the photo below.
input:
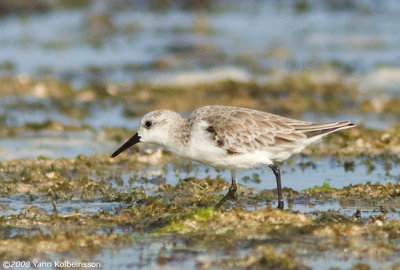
(132, 141)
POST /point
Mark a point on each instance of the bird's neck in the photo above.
(179, 136)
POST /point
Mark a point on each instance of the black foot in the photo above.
(230, 194)
(280, 205)
(277, 172)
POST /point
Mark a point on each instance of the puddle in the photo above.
(18, 206)
(327, 262)
(293, 177)
(346, 210)
(98, 117)
(53, 144)
(150, 255)
(141, 256)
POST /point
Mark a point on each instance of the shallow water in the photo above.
(53, 144)
(144, 256)
(16, 206)
(326, 262)
(293, 176)
(265, 34)
(151, 177)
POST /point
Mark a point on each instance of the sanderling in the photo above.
(231, 138)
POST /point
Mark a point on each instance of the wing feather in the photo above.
(240, 130)
(244, 130)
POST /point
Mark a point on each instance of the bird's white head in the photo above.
(155, 127)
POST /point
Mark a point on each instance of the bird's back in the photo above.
(240, 130)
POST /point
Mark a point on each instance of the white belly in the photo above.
(202, 149)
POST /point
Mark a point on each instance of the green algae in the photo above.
(198, 215)
(369, 192)
(54, 125)
(25, 8)
(81, 177)
(11, 131)
(325, 188)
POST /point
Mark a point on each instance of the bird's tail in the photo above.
(316, 131)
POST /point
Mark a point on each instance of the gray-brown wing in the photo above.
(240, 130)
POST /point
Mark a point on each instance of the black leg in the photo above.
(277, 173)
(231, 192)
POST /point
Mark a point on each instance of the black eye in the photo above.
(148, 124)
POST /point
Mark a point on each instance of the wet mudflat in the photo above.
(148, 209)
(69, 103)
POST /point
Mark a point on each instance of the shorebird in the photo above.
(231, 138)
